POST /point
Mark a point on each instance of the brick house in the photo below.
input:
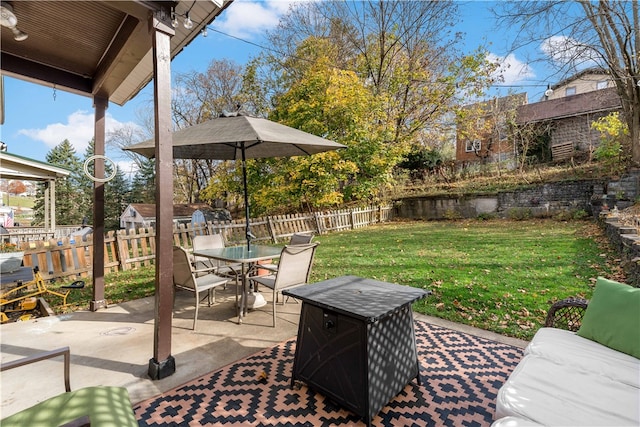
(568, 110)
(483, 131)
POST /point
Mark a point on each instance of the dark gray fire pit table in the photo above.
(356, 341)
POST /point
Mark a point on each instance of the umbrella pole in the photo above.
(246, 200)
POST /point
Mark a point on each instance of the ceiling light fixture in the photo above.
(188, 23)
(174, 19)
(9, 20)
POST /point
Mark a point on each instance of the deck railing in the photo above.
(69, 258)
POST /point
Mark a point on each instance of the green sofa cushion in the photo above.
(612, 317)
(106, 407)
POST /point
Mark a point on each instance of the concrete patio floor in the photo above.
(113, 346)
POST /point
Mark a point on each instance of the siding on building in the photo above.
(570, 120)
(494, 114)
(138, 215)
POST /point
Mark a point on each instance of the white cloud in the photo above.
(564, 50)
(79, 130)
(249, 18)
(511, 70)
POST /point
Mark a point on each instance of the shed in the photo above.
(208, 214)
(143, 215)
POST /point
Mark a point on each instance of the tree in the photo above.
(69, 207)
(420, 161)
(336, 104)
(489, 126)
(116, 192)
(581, 33)
(116, 197)
(85, 185)
(143, 185)
(613, 134)
(404, 52)
(16, 187)
(201, 96)
(127, 135)
(400, 53)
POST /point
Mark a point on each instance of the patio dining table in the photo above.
(245, 257)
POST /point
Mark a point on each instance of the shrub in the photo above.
(614, 135)
(580, 214)
(519, 214)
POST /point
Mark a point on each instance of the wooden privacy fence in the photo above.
(130, 249)
(60, 258)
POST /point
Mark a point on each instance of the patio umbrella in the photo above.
(240, 137)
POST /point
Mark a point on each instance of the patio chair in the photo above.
(203, 264)
(293, 270)
(184, 277)
(296, 239)
(90, 406)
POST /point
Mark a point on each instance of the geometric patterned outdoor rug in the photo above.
(461, 375)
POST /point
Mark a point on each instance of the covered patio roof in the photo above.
(18, 167)
(95, 48)
(109, 50)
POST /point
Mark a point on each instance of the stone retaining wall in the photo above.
(626, 242)
(539, 201)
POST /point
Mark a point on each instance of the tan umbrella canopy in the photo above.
(240, 137)
(225, 138)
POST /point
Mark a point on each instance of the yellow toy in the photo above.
(21, 298)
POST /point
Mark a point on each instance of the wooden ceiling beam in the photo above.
(37, 73)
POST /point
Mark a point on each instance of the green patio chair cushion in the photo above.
(105, 406)
(612, 317)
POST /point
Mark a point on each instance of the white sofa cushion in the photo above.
(515, 422)
(555, 394)
(565, 347)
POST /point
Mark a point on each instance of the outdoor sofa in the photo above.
(585, 375)
(101, 406)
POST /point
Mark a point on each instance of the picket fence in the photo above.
(70, 259)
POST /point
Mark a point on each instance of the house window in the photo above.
(473, 146)
(571, 90)
(602, 84)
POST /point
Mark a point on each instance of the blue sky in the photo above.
(37, 118)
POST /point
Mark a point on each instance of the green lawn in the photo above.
(17, 201)
(496, 275)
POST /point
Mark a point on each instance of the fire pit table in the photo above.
(356, 341)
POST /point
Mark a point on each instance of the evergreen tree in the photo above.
(69, 207)
(116, 199)
(85, 184)
(116, 192)
(143, 185)
(38, 205)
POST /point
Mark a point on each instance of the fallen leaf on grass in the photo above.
(459, 306)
